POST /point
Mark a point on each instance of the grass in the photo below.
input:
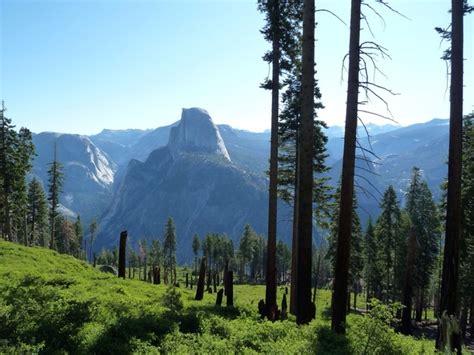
(51, 303)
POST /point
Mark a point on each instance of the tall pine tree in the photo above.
(169, 250)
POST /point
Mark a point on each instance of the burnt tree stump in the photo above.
(226, 270)
(284, 308)
(122, 250)
(200, 285)
(230, 288)
(220, 294)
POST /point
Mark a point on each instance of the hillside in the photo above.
(54, 303)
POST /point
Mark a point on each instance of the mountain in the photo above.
(192, 179)
(117, 143)
(424, 145)
(88, 172)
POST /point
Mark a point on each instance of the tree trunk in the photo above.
(463, 320)
(219, 297)
(408, 287)
(230, 288)
(355, 300)
(316, 277)
(449, 284)
(419, 306)
(226, 269)
(294, 243)
(202, 275)
(270, 280)
(209, 279)
(187, 280)
(348, 302)
(341, 273)
(471, 317)
(122, 251)
(305, 184)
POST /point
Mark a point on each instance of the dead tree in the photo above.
(226, 270)
(122, 251)
(284, 308)
(341, 273)
(230, 288)
(219, 297)
(202, 276)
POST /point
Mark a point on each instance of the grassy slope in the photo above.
(54, 303)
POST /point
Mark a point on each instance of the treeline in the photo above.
(28, 214)
(156, 257)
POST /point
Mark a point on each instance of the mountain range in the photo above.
(211, 178)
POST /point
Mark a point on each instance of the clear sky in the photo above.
(80, 66)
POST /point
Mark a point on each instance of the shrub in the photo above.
(172, 300)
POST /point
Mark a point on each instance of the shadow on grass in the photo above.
(327, 342)
(151, 328)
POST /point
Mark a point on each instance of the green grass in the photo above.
(51, 303)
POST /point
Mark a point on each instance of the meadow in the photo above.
(56, 304)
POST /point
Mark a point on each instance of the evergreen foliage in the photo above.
(37, 217)
(169, 251)
(55, 179)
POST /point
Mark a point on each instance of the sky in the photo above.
(79, 66)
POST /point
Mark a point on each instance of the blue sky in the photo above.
(80, 66)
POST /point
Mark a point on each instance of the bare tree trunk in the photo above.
(219, 297)
(294, 243)
(202, 275)
(419, 305)
(463, 320)
(305, 184)
(230, 288)
(316, 277)
(449, 286)
(226, 269)
(355, 300)
(471, 317)
(341, 274)
(122, 251)
(270, 280)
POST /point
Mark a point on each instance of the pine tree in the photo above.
(272, 33)
(37, 214)
(466, 274)
(246, 248)
(449, 301)
(92, 230)
(372, 272)
(425, 221)
(76, 247)
(169, 251)
(16, 152)
(388, 237)
(156, 253)
(56, 178)
(25, 151)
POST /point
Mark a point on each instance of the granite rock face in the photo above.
(88, 172)
(197, 133)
